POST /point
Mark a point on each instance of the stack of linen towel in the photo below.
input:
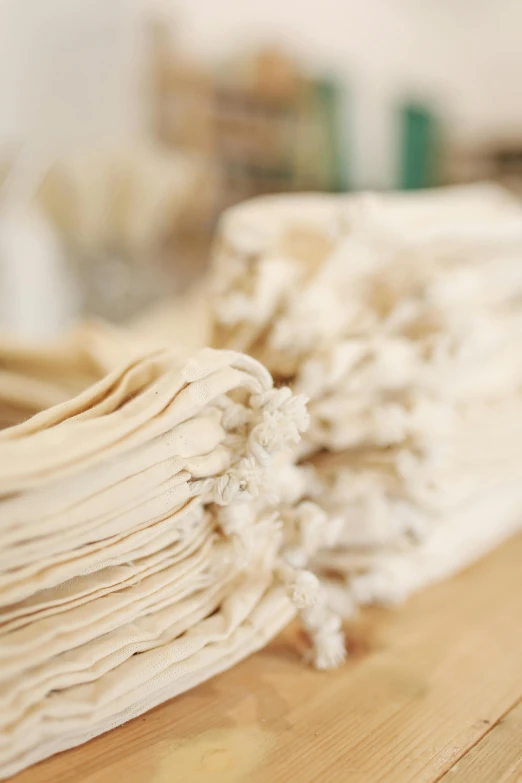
(400, 317)
(165, 511)
(141, 547)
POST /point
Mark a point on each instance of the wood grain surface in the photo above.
(432, 692)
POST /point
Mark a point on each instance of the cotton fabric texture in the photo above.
(138, 556)
(400, 317)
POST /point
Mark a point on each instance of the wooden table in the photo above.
(432, 692)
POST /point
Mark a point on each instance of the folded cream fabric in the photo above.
(400, 317)
(126, 198)
(142, 547)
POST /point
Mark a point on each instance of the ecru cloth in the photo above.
(400, 317)
(126, 198)
(141, 550)
(246, 621)
(409, 520)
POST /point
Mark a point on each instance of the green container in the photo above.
(330, 96)
(419, 148)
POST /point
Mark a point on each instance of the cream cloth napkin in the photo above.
(142, 544)
(126, 198)
(400, 317)
(408, 520)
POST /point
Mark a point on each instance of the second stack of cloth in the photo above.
(400, 317)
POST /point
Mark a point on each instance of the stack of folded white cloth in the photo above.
(161, 516)
(141, 550)
(400, 317)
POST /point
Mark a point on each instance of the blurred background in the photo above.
(127, 126)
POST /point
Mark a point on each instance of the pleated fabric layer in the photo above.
(400, 317)
(123, 580)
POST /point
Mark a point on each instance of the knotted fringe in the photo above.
(321, 623)
(400, 318)
(273, 422)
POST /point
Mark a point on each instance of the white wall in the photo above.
(67, 69)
